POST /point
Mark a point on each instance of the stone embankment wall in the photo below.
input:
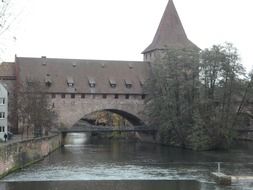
(17, 155)
(246, 136)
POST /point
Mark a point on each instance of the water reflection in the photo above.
(73, 139)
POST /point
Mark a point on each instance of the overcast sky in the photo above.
(122, 29)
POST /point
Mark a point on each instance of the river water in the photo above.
(90, 163)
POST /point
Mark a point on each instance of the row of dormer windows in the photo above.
(91, 81)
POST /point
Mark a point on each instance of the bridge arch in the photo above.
(130, 117)
(71, 111)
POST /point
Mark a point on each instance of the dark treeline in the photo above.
(197, 99)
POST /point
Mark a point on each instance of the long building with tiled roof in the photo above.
(85, 76)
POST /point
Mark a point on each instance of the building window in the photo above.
(63, 96)
(143, 96)
(142, 81)
(82, 96)
(127, 96)
(72, 96)
(2, 115)
(53, 95)
(48, 80)
(104, 96)
(128, 83)
(116, 96)
(70, 81)
(2, 128)
(112, 82)
(92, 82)
(2, 101)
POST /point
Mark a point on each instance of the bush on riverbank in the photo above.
(197, 104)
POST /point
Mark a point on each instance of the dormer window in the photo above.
(48, 80)
(128, 83)
(73, 64)
(70, 81)
(29, 82)
(142, 81)
(92, 82)
(113, 83)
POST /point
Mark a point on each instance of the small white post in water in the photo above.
(218, 166)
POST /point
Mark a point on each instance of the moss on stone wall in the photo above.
(22, 154)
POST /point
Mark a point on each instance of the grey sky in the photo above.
(120, 29)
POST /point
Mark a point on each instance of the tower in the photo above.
(169, 35)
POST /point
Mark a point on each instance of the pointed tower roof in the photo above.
(170, 33)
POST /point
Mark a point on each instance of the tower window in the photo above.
(116, 96)
(127, 96)
(104, 96)
(82, 96)
(62, 95)
(73, 96)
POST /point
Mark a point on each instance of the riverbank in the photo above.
(18, 154)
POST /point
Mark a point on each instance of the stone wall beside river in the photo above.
(17, 155)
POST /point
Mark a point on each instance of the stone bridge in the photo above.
(70, 111)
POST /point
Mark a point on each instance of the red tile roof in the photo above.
(60, 70)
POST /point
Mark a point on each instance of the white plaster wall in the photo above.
(4, 108)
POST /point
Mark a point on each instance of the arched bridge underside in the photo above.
(71, 111)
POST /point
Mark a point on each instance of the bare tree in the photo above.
(10, 14)
(35, 112)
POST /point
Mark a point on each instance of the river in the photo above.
(90, 163)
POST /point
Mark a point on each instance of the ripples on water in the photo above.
(84, 158)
